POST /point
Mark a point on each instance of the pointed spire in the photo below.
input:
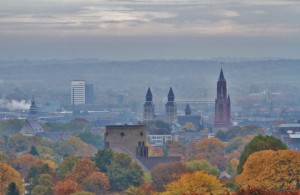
(32, 101)
(188, 110)
(221, 77)
(149, 95)
(171, 96)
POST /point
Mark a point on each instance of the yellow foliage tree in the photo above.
(9, 175)
(195, 183)
(189, 126)
(268, 169)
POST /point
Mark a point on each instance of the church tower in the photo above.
(171, 108)
(222, 105)
(32, 115)
(188, 110)
(149, 108)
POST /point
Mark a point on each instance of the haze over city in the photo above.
(149, 97)
(155, 29)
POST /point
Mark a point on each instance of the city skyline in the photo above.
(132, 30)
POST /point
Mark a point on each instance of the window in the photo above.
(141, 134)
(122, 134)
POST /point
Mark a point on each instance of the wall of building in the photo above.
(125, 137)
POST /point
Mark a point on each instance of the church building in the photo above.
(171, 108)
(222, 105)
(149, 108)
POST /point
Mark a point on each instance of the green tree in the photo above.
(66, 166)
(259, 143)
(103, 159)
(202, 165)
(123, 173)
(12, 189)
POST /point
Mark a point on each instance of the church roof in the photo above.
(221, 77)
(31, 127)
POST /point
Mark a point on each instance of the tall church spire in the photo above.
(221, 86)
(171, 108)
(33, 109)
(222, 104)
(221, 77)
(149, 107)
(171, 96)
(149, 95)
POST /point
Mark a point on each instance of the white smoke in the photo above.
(14, 104)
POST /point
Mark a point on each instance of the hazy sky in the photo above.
(147, 29)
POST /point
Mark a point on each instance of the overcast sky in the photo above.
(149, 29)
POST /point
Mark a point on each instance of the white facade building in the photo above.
(77, 92)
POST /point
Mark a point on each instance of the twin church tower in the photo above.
(222, 106)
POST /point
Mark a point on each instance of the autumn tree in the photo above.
(278, 170)
(165, 173)
(210, 149)
(175, 148)
(83, 193)
(82, 169)
(25, 162)
(66, 187)
(195, 183)
(259, 143)
(9, 175)
(202, 165)
(155, 151)
(144, 189)
(96, 182)
(189, 126)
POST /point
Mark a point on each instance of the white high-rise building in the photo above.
(78, 92)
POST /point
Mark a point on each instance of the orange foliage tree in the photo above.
(7, 176)
(66, 187)
(82, 169)
(25, 162)
(175, 148)
(277, 170)
(195, 183)
(96, 182)
(210, 149)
